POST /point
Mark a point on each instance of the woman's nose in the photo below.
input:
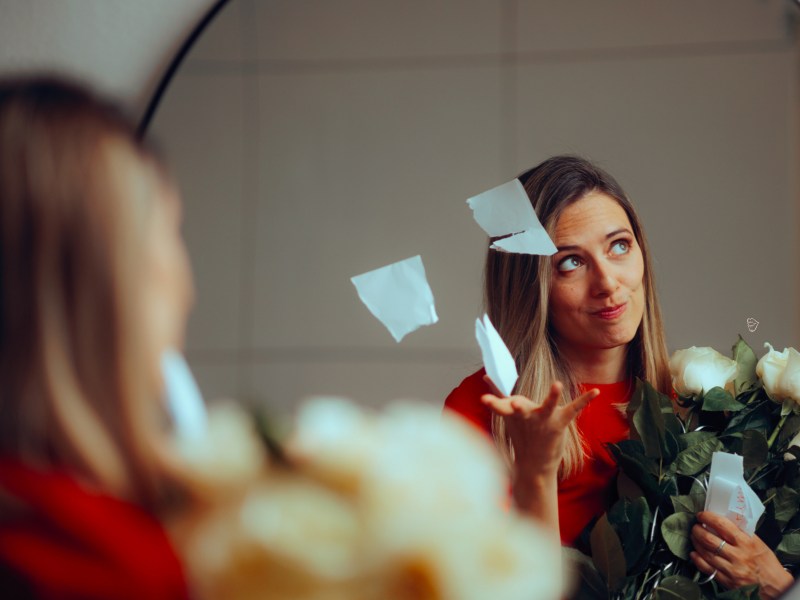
(604, 280)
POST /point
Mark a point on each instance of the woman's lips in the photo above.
(611, 313)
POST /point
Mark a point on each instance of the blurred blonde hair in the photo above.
(517, 292)
(78, 391)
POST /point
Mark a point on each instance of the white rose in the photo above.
(228, 457)
(334, 441)
(696, 370)
(780, 374)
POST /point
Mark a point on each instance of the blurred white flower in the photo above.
(780, 374)
(406, 504)
(696, 370)
(229, 457)
(286, 539)
(334, 440)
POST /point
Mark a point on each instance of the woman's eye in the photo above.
(569, 264)
(620, 247)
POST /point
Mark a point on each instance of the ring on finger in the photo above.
(720, 547)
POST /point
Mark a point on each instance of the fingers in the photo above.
(579, 403)
(724, 527)
(712, 545)
(501, 406)
(522, 406)
(705, 567)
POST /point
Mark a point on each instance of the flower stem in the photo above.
(776, 431)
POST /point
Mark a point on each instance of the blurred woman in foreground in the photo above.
(94, 287)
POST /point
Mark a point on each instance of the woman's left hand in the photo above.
(736, 558)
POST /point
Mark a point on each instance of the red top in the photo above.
(588, 493)
(67, 542)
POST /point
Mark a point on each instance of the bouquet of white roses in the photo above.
(403, 504)
(640, 546)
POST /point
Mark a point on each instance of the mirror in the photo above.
(317, 140)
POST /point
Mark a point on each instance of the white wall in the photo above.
(316, 140)
(120, 46)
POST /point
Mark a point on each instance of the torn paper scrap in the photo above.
(500, 365)
(183, 398)
(504, 209)
(533, 241)
(729, 495)
(398, 295)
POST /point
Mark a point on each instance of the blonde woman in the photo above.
(582, 324)
(94, 286)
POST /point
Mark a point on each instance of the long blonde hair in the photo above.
(517, 292)
(77, 392)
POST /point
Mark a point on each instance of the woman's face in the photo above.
(597, 293)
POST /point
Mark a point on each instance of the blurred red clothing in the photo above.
(588, 493)
(59, 540)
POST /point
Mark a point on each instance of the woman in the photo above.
(581, 324)
(94, 287)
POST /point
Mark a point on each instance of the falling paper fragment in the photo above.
(183, 398)
(729, 495)
(506, 210)
(398, 295)
(500, 365)
(533, 241)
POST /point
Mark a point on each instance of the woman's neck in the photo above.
(597, 365)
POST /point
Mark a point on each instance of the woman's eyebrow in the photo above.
(609, 235)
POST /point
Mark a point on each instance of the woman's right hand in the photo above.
(538, 435)
(538, 432)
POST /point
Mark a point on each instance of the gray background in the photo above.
(316, 139)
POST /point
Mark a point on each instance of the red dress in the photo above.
(588, 493)
(62, 541)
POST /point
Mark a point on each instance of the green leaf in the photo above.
(607, 553)
(697, 457)
(697, 488)
(687, 440)
(717, 399)
(578, 565)
(790, 429)
(631, 520)
(754, 449)
(756, 415)
(789, 548)
(677, 586)
(688, 503)
(746, 361)
(676, 530)
(630, 457)
(627, 487)
(748, 592)
(649, 423)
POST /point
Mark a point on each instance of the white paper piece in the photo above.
(184, 401)
(398, 295)
(729, 495)
(506, 210)
(499, 364)
(533, 241)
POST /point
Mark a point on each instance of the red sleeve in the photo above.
(465, 401)
(67, 542)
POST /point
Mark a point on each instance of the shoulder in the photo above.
(104, 546)
(465, 400)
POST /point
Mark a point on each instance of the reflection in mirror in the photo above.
(312, 146)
